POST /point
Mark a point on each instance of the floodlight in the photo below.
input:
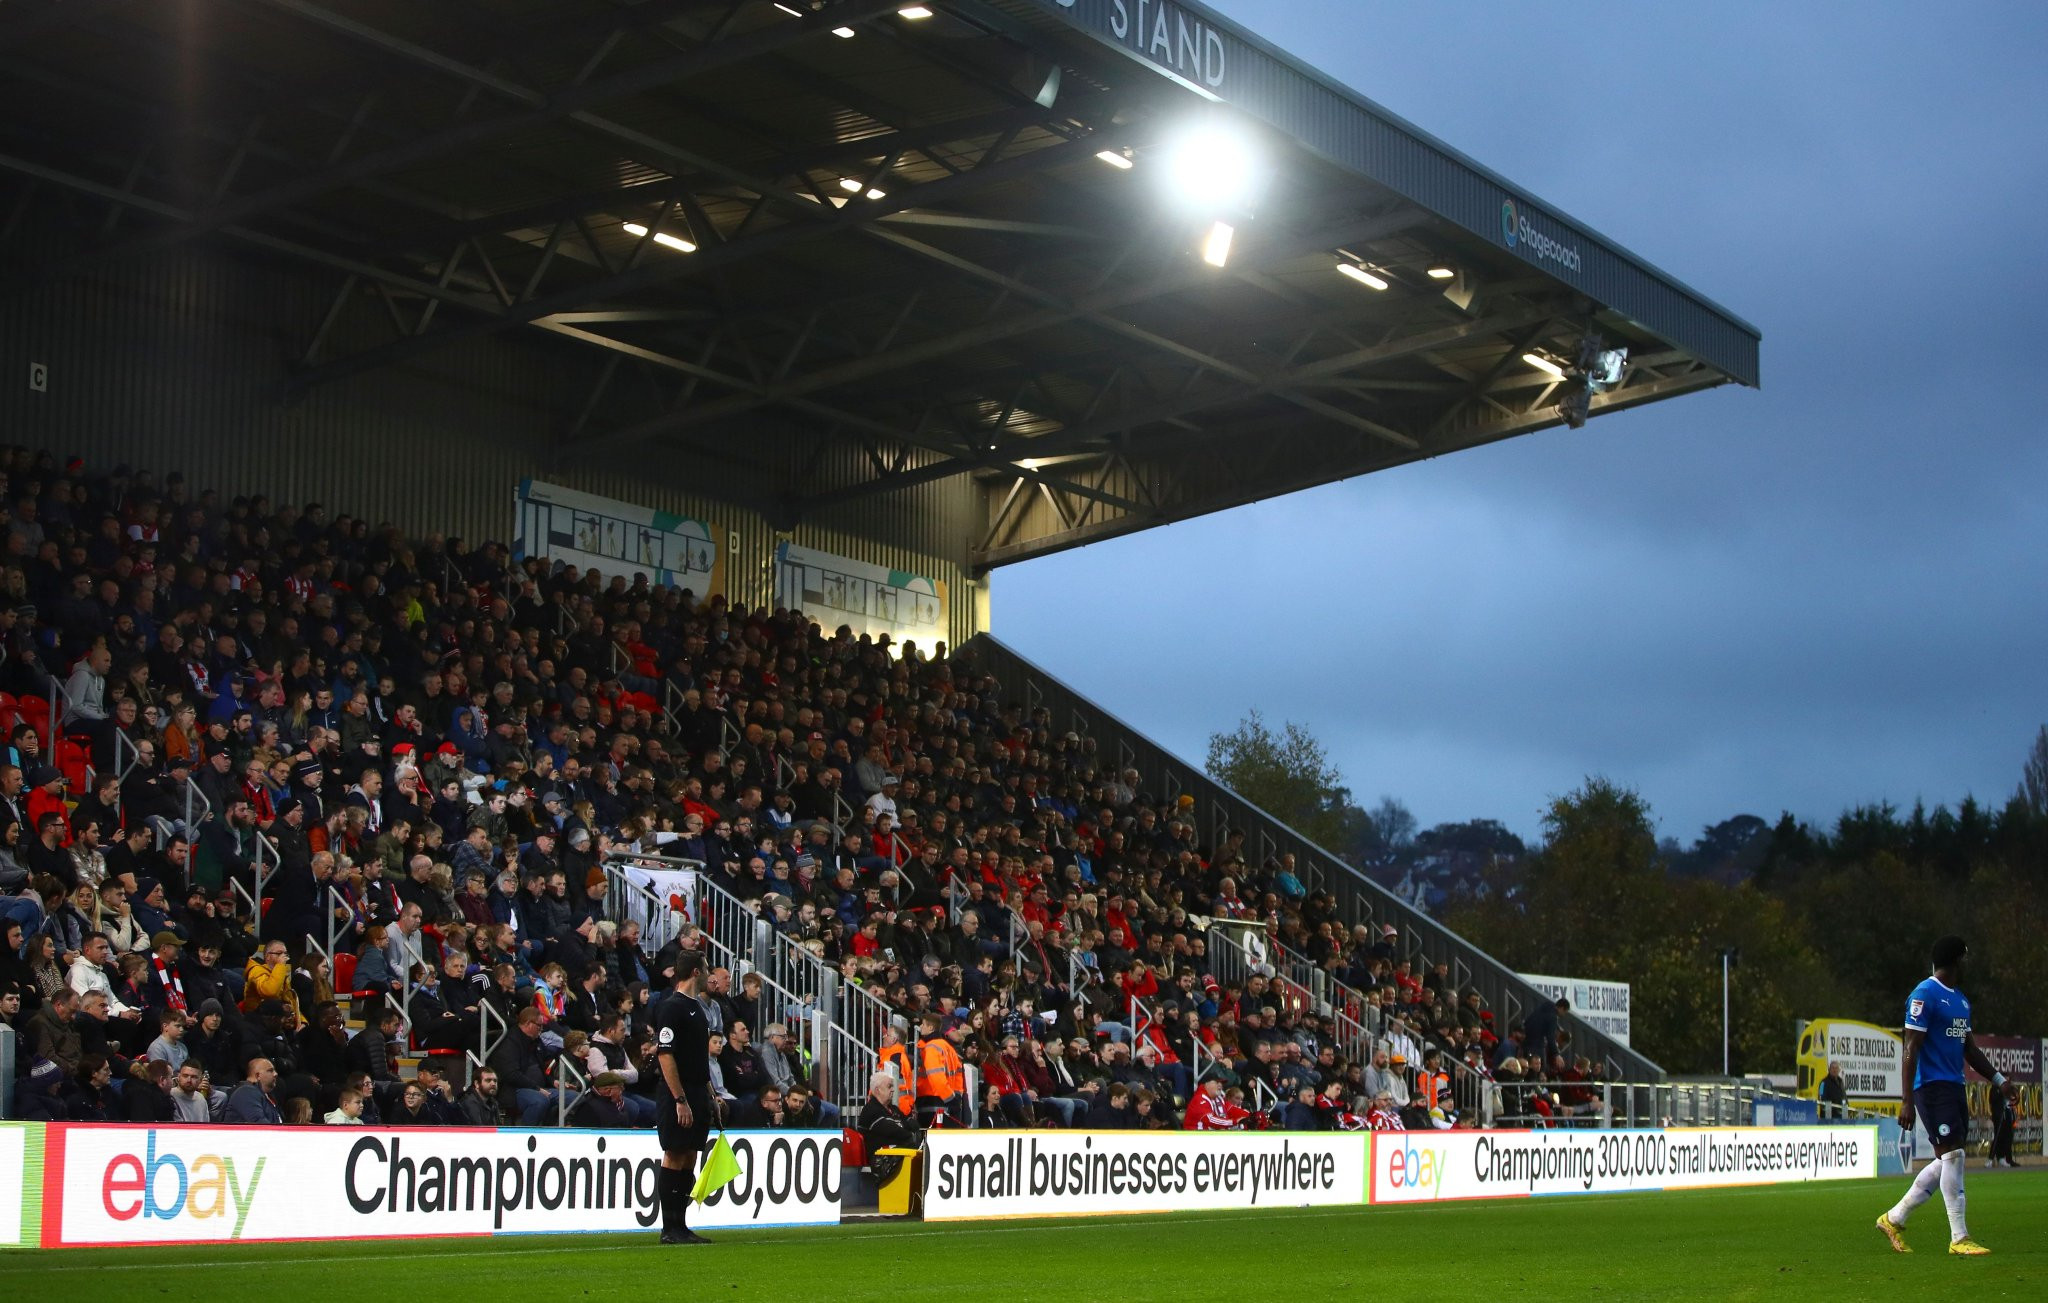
(1362, 274)
(676, 242)
(1441, 273)
(1542, 363)
(1213, 167)
(1576, 405)
(914, 12)
(1216, 249)
(843, 33)
(1116, 158)
(1602, 366)
(791, 10)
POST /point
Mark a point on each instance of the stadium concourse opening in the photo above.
(938, 288)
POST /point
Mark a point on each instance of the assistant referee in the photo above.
(683, 1117)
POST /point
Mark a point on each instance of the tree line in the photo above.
(1828, 921)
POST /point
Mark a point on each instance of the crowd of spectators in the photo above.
(418, 757)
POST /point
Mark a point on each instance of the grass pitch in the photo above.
(1810, 1242)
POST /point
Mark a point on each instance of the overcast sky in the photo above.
(1824, 592)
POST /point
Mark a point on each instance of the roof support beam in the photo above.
(1188, 403)
(540, 108)
(705, 261)
(1178, 278)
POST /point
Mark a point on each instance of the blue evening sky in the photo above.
(1828, 591)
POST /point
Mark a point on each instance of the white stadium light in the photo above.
(1441, 273)
(1213, 167)
(1216, 249)
(676, 242)
(1542, 363)
(1363, 275)
(1116, 158)
(914, 12)
(843, 33)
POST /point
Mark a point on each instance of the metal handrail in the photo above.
(671, 702)
(566, 1066)
(336, 905)
(124, 743)
(60, 706)
(486, 1044)
(848, 1042)
(191, 824)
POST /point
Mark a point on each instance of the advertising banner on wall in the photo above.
(2019, 1058)
(874, 600)
(616, 538)
(1871, 1058)
(1603, 1006)
(977, 1174)
(21, 1184)
(1423, 1167)
(204, 1185)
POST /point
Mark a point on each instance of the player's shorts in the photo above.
(1940, 1108)
(676, 1139)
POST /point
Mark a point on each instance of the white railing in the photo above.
(847, 1035)
(566, 1071)
(486, 1043)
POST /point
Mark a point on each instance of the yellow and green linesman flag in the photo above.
(721, 1165)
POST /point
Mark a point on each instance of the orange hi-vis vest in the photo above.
(939, 1072)
(899, 1055)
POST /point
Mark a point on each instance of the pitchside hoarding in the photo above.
(21, 1184)
(200, 1185)
(1424, 1167)
(977, 1174)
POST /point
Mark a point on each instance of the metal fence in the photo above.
(841, 1022)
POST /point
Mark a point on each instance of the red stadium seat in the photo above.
(344, 971)
(35, 710)
(74, 761)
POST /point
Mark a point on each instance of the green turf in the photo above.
(1809, 1242)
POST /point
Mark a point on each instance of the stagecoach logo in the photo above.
(1516, 231)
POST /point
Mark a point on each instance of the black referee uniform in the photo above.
(682, 1033)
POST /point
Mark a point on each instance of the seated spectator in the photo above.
(478, 1106)
(764, 1111)
(90, 1095)
(169, 1045)
(603, 1105)
(191, 1096)
(250, 1103)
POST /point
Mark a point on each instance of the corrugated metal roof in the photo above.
(1221, 60)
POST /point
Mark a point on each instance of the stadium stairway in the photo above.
(1216, 808)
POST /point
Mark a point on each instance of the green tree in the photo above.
(2034, 777)
(1597, 902)
(1392, 824)
(1286, 774)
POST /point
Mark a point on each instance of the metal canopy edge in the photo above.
(1215, 57)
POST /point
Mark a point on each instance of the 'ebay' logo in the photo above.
(163, 1187)
(1409, 1168)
